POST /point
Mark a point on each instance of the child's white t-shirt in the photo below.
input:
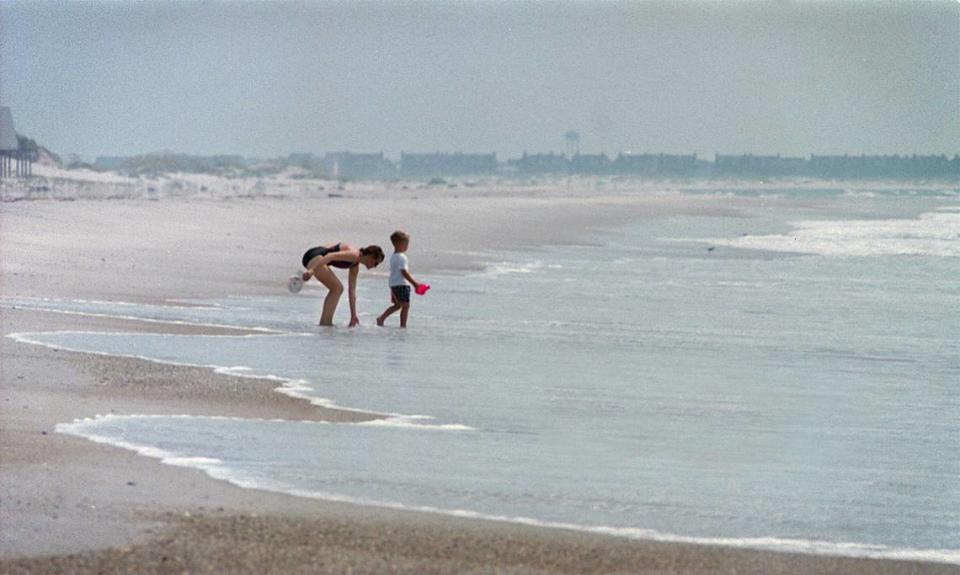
(398, 262)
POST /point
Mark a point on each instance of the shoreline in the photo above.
(307, 411)
(216, 518)
(137, 525)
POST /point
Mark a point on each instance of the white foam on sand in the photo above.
(495, 269)
(217, 469)
(931, 234)
(50, 305)
(296, 388)
(414, 422)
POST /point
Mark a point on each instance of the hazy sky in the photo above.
(264, 79)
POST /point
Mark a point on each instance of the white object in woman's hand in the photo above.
(294, 284)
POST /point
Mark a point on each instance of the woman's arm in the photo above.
(352, 294)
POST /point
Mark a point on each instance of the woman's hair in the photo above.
(374, 251)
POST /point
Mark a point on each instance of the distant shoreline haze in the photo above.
(441, 164)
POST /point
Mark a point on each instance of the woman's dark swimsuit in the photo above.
(322, 251)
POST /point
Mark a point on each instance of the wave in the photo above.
(217, 469)
(935, 234)
(296, 388)
(504, 268)
(413, 422)
(51, 305)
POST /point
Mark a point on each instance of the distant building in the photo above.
(655, 164)
(541, 164)
(303, 160)
(627, 163)
(14, 161)
(678, 164)
(833, 166)
(442, 164)
(884, 166)
(751, 165)
(362, 166)
(590, 164)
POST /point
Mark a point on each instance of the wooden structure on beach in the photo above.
(14, 162)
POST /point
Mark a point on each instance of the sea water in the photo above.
(785, 378)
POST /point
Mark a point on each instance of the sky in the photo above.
(265, 79)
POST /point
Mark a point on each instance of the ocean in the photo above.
(783, 378)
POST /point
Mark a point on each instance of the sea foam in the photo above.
(218, 469)
(931, 234)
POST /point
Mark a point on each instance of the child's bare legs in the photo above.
(327, 278)
(387, 313)
(403, 306)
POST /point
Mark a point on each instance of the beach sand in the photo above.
(68, 505)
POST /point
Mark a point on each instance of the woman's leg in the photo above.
(326, 276)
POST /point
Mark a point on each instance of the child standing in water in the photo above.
(399, 276)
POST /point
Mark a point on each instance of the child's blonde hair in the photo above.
(398, 237)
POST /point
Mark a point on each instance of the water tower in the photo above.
(573, 143)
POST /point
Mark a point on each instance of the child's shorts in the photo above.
(401, 293)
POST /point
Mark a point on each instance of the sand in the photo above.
(72, 506)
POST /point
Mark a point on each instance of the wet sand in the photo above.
(68, 505)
